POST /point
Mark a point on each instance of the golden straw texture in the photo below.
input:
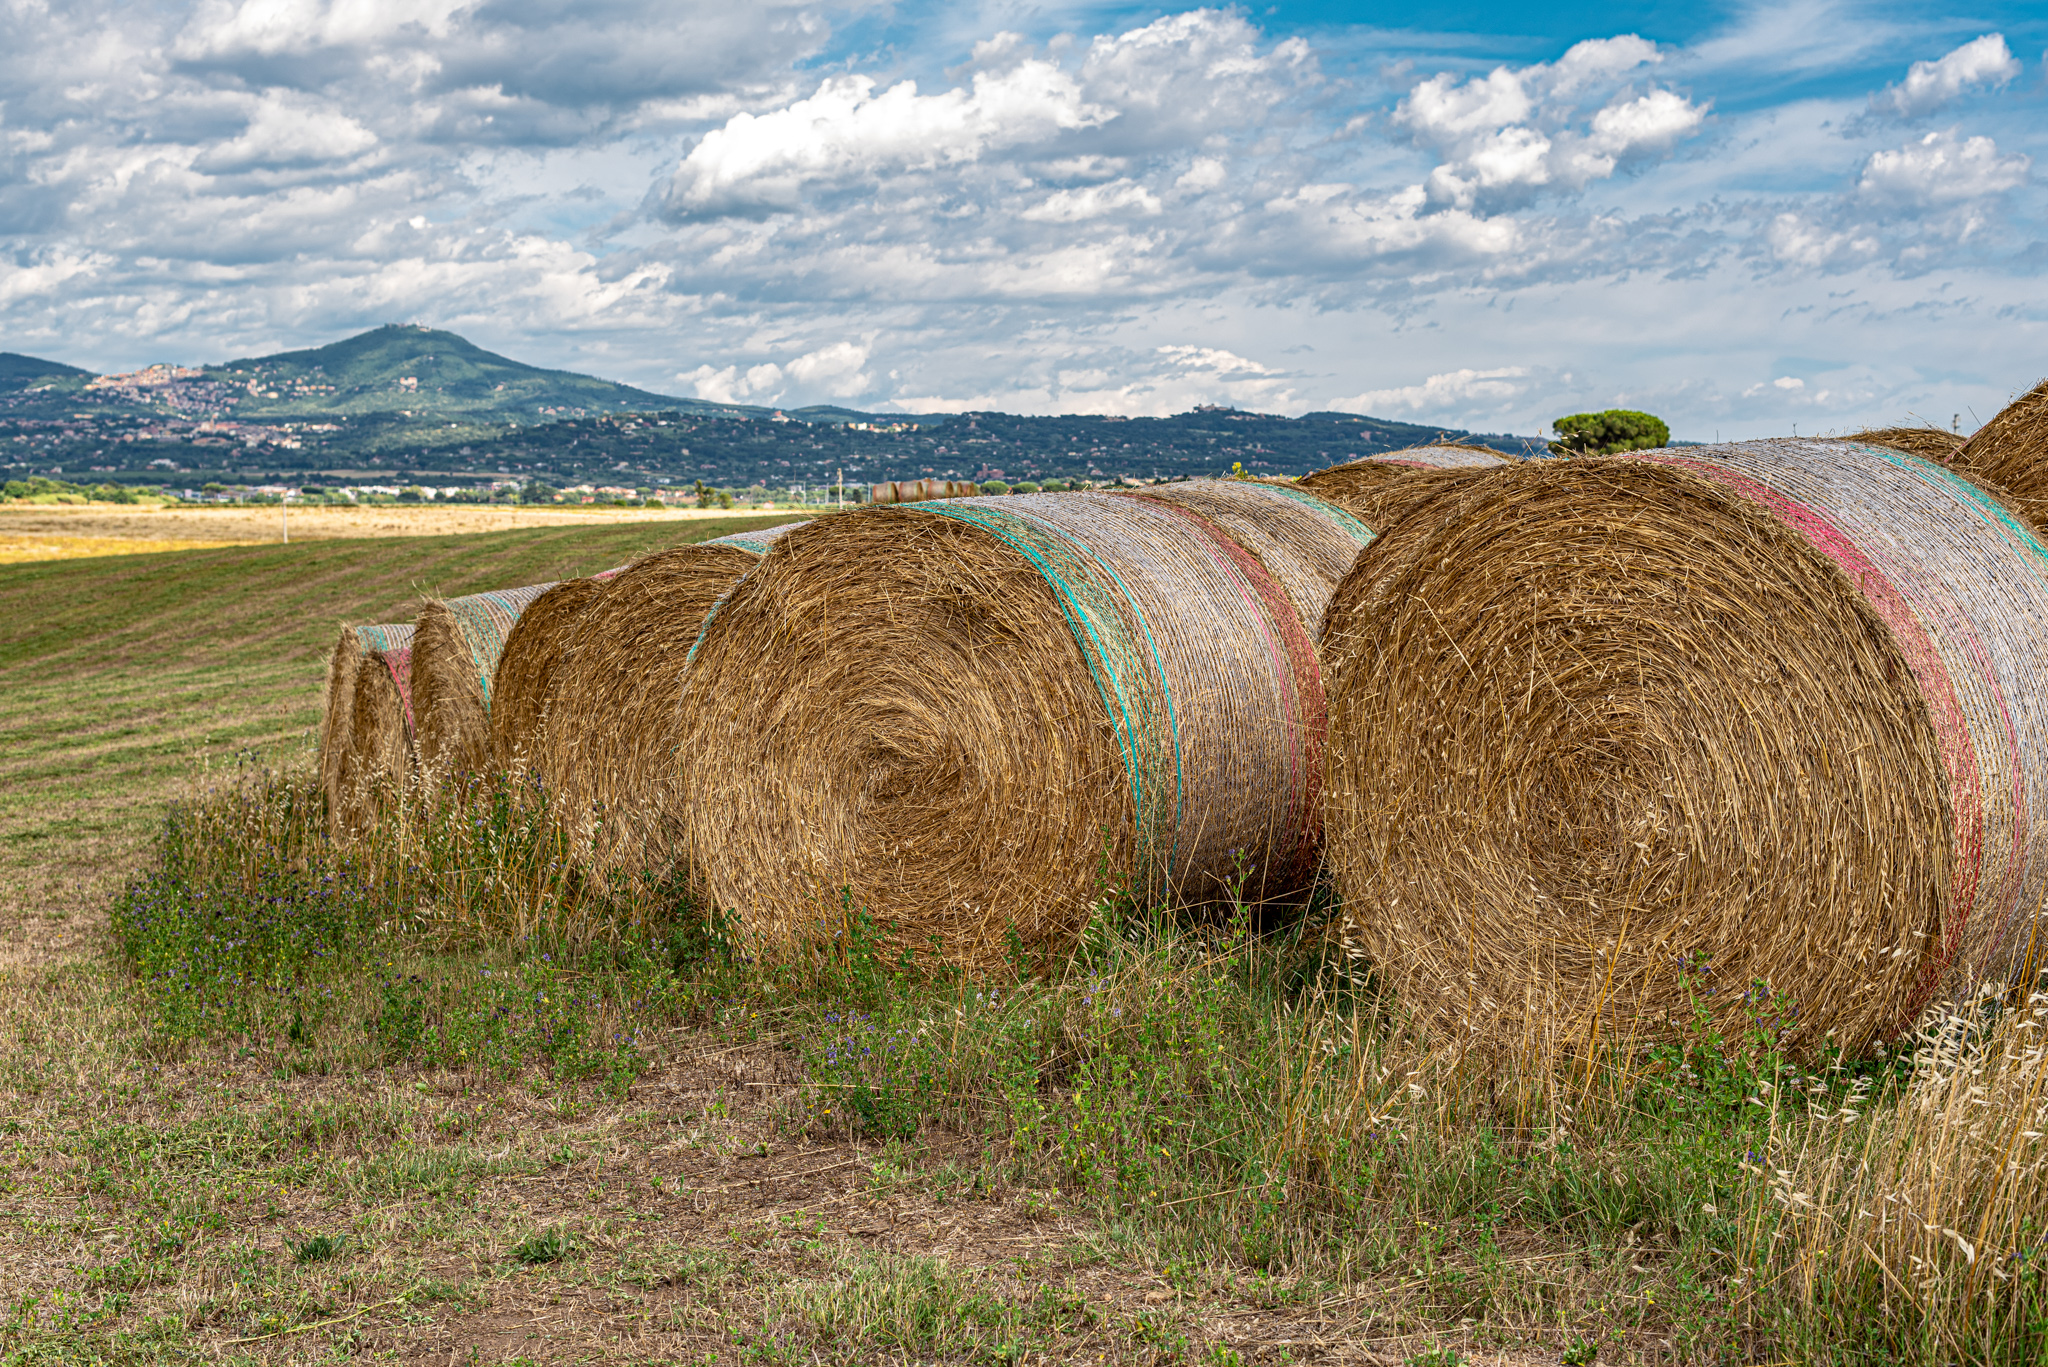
(337, 719)
(2011, 453)
(456, 644)
(1616, 738)
(378, 758)
(975, 719)
(1929, 442)
(528, 678)
(608, 749)
(1356, 479)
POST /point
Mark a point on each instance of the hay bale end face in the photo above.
(337, 718)
(609, 746)
(456, 644)
(2010, 453)
(1613, 739)
(976, 719)
(526, 685)
(377, 757)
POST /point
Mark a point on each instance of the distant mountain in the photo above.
(421, 372)
(16, 369)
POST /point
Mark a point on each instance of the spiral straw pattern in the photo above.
(1617, 739)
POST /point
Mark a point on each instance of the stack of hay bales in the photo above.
(456, 644)
(366, 734)
(920, 490)
(2010, 453)
(974, 720)
(1617, 739)
(589, 687)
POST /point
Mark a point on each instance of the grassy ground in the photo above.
(437, 1098)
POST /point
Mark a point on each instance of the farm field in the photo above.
(46, 532)
(440, 1139)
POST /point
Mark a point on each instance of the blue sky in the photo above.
(1746, 218)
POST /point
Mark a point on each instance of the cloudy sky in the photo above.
(1809, 212)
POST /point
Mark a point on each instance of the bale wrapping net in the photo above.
(1752, 729)
(456, 645)
(974, 720)
(1368, 477)
(374, 757)
(607, 750)
(2010, 453)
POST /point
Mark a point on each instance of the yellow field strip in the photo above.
(14, 550)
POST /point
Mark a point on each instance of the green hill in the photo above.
(17, 369)
(427, 373)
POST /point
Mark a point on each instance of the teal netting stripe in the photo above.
(1109, 627)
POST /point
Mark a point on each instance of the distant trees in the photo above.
(1602, 434)
(994, 486)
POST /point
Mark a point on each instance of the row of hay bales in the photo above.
(1585, 746)
(920, 490)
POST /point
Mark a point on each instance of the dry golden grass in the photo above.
(43, 531)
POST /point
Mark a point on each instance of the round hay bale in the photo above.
(976, 719)
(1614, 739)
(1930, 443)
(610, 741)
(525, 686)
(1367, 477)
(377, 759)
(2011, 453)
(456, 644)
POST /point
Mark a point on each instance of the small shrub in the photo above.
(1603, 434)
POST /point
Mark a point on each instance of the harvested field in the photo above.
(975, 720)
(1767, 713)
(45, 532)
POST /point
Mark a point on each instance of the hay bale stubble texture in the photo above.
(456, 644)
(2010, 453)
(609, 747)
(1615, 738)
(975, 719)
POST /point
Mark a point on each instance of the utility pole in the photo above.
(284, 517)
(839, 486)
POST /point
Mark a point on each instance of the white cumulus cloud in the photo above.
(1517, 130)
(1941, 168)
(1930, 85)
(1093, 201)
(763, 162)
(1441, 392)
